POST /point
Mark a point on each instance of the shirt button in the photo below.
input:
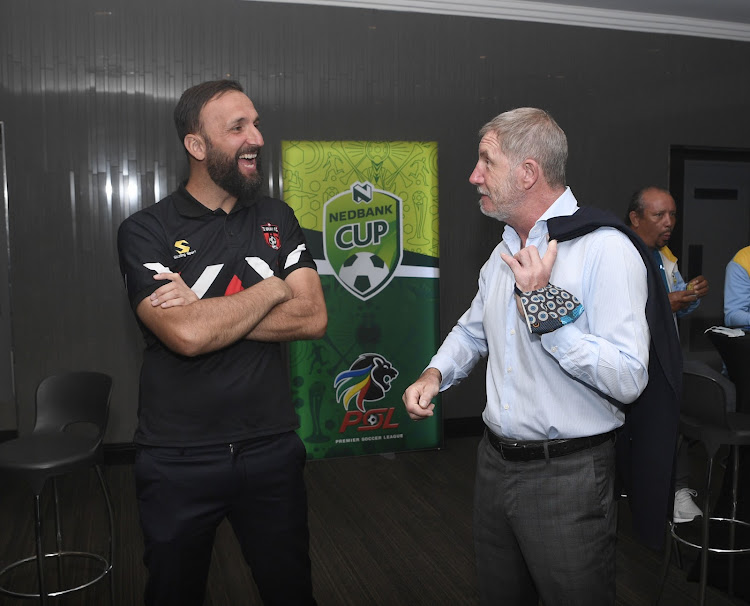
(506, 406)
(553, 349)
(512, 331)
(509, 369)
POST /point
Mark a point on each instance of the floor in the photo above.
(386, 530)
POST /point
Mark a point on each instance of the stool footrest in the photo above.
(62, 555)
(730, 521)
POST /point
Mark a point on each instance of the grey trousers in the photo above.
(546, 529)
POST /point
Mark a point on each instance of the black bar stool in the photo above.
(71, 418)
(703, 416)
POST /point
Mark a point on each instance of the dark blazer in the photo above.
(646, 443)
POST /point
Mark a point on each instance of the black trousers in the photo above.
(183, 495)
(546, 528)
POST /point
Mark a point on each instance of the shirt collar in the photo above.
(188, 206)
(565, 205)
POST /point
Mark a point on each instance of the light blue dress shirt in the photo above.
(567, 383)
(737, 295)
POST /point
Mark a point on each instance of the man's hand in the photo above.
(302, 316)
(698, 286)
(530, 270)
(682, 299)
(173, 294)
(210, 324)
(418, 396)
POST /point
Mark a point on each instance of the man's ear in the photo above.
(634, 219)
(195, 146)
(530, 173)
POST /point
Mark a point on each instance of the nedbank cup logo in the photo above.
(362, 238)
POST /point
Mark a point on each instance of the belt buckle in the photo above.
(516, 452)
(508, 450)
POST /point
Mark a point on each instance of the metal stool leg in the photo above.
(677, 553)
(732, 524)
(110, 519)
(704, 534)
(58, 532)
(39, 549)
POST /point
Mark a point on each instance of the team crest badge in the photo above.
(362, 238)
(271, 234)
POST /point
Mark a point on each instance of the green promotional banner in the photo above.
(369, 210)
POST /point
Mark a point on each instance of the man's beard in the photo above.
(225, 172)
(504, 201)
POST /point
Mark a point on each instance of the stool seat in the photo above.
(736, 431)
(739, 425)
(735, 353)
(38, 457)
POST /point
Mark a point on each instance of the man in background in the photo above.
(652, 214)
(215, 435)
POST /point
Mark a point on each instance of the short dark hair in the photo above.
(636, 204)
(188, 110)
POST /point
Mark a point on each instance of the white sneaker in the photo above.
(684, 508)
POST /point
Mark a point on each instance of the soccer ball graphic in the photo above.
(363, 271)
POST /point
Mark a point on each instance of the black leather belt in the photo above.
(530, 450)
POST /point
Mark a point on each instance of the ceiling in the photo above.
(726, 19)
(731, 11)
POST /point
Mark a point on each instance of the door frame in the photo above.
(678, 156)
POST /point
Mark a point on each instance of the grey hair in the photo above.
(529, 132)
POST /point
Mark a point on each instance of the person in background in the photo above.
(737, 291)
(567, 341)
(652, 214)
(215, 436)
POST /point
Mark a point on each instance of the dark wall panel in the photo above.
(87, 90)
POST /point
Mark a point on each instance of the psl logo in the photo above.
(362, 238)
(367, 380)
